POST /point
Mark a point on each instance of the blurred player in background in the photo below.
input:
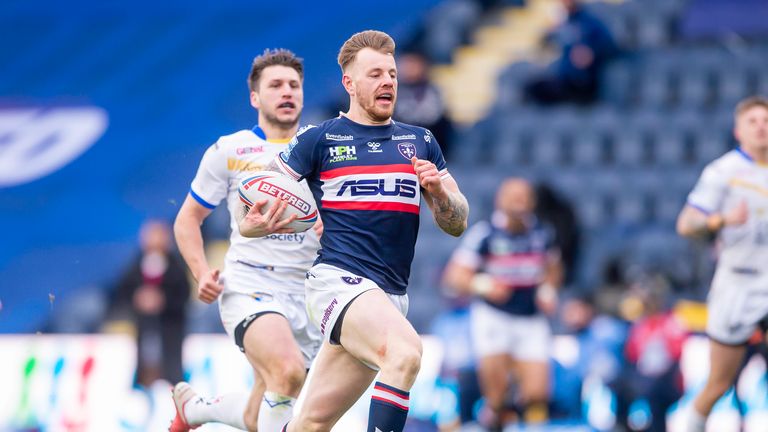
(513, 267)
(730, 201)
(367, 174)
(262, 287)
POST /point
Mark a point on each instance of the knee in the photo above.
(403, 358)
(289, 377)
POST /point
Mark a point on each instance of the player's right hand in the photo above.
(737, 215)
(255, 224)
(208, 287)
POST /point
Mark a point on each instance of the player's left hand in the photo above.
(318, 227)
(429, 176)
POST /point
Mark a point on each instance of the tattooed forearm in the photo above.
(451, 213)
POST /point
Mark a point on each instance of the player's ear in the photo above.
(255, 100)
(348, 84)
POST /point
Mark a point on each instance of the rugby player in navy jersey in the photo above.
(368, 175)
(512, 266)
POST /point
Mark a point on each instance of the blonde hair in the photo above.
(276, 57)
(749, 103)
(374, 39)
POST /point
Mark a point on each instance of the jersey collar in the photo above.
(749, 158)
(259, 132)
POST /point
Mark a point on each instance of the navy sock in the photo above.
(389, 409)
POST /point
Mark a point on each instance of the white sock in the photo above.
(275, 411)
(696, 422)
(227, 409)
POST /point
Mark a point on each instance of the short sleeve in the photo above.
(435, 153)
(473, 246)
(298, 160)
(710, 190)
(211, 182)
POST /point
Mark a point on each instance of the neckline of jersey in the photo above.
(354, 123)
(259, 132)
(750, 159)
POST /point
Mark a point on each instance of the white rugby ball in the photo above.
(273, 186)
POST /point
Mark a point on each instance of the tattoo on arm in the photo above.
(451, 213)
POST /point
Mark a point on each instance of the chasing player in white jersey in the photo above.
(262, 286)
(369, 176)
(730, 201)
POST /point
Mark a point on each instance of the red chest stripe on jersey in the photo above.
(367, 169)
(371, 205)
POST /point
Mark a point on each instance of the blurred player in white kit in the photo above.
(730, 201)
(261, 290)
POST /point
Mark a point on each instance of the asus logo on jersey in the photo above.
(370, 187)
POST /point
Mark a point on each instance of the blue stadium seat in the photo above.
(630, 147)
(588, 148)
(619, 83)
(670, 147)
(547, 148)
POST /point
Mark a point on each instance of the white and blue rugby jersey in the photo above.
(367, 192)
(727, 181)
(225, 164)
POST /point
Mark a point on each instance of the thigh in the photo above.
(372, 325)
(493, 373)
(337, 381)
(269, 344)
(533, 377)
(725, 362)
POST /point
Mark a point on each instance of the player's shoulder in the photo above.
(239, 139)
(480, 229)
(733, 160)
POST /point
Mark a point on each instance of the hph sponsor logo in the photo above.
(342, 154)
(342, 150)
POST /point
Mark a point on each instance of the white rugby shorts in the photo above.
(737, 302)
(526, 338)
(250, 292)
(330, 289)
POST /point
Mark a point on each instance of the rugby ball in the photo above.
(273, 186)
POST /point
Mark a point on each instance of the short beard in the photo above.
(281, 124)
